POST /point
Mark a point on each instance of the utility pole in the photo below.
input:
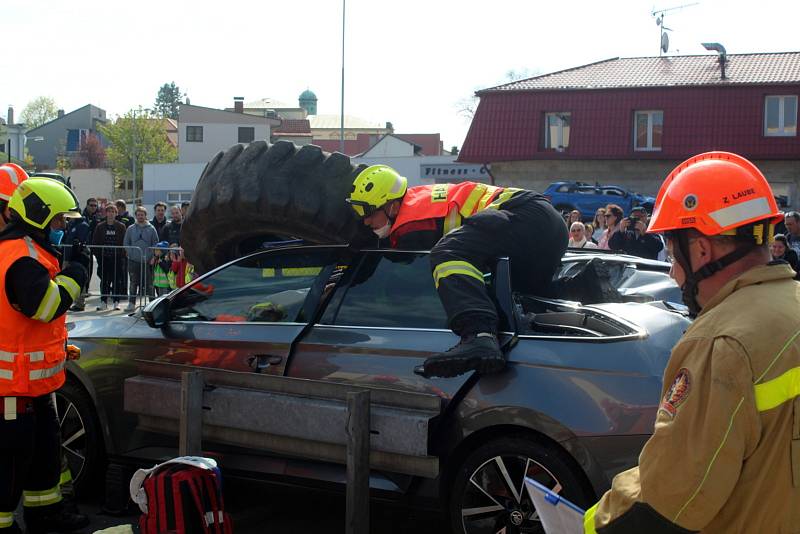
(133, 155)
(341, 117)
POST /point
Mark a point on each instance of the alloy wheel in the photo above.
(74, 441)
(495, 500)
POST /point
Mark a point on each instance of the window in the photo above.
(75, 139)
(780, 116)
(556, 130)
(175, 197)
(266, 288)
(390, 289)
(648, 129)
(194, 134)
(246, 134)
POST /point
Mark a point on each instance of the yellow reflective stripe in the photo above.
(711, 463)
(36, 356)
(490, 191)
(32, 499)
(66, 476)
(301, 271)
(505, 195)
(448, 268)
(452, 221)
(588, 520)
(6, 519)
(70, 285)
(39, 374)
(47, 308)
(9, 408)
(472, 200)
(267, 273)
(775, 392)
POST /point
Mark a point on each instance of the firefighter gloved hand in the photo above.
(73, 352)
(80, 254)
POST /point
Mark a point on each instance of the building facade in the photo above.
(202, 132)
(630, 121)
(64, 135)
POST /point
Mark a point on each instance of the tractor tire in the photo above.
(250, 195)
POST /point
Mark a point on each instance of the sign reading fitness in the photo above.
(453, 172)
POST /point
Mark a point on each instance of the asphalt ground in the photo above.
(256, 507)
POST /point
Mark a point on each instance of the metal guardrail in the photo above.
(362, 427)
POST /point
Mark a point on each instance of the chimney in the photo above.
(723, 58)
(238, 104)
(10, 118)
(390, 127)
(60, 113)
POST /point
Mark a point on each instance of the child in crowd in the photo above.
(162, 264)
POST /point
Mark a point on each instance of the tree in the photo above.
(467, 106)
(40, 110)
(134, 139)
(167, 100)
(91, 155)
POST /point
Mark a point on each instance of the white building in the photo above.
(202, 132)
(172, 183)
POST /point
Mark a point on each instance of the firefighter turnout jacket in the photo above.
(725, 454)
(34, 299)
(435, 210)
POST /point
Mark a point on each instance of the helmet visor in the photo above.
(363, 209)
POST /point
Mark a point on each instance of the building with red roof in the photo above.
(629, 121)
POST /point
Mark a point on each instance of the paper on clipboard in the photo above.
(558, 515)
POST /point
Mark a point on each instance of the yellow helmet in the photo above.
(375, 186)
(38, 200)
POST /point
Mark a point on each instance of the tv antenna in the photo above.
(659, 14)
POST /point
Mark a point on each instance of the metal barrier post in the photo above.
(357, 514)
(191, 421)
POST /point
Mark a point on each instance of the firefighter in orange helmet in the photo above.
(725, 452)
(467, 226)
(34, 298)
(11, 175)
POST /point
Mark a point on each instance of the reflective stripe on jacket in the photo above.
(725, 454)
(32, 351)
(451, 202)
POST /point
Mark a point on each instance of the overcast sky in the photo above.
(408, 62)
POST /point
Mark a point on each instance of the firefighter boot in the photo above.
(479, 352)
(53, 518)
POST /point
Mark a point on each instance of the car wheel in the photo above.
(81, 441)
(247, 196)
(488, 494)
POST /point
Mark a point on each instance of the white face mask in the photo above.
(383, 231)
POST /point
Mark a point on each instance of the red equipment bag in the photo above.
(183, 499)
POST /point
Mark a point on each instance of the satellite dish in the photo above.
(658, 21)
(664, 42)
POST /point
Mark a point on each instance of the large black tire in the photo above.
(472, 511)
(247, 196)
(81, 438)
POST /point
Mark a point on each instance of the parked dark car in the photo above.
(587, 198)
(573, 408)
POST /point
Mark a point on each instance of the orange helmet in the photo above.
(714, 193)
(11, 175)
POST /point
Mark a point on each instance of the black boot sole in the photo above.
(444, 367)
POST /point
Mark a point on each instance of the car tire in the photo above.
(81, 439)
(247, 196)
(493, 505)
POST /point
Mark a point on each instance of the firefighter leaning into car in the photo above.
(725, 453)
(34, 298)
(466, 225)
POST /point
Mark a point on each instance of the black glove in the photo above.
(80, 255)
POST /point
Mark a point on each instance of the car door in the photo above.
(384, 319)
(246, 315)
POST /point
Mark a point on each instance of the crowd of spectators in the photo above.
(135, 257)
(610, 229)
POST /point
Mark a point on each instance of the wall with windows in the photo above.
(172, 183)
(639, 123)
(64, 134)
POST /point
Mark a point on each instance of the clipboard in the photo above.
(557, 514)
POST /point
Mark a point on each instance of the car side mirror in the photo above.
(157, 312)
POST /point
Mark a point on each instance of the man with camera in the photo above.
(633, 239)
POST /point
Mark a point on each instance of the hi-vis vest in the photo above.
(32, 353)
(453, 202)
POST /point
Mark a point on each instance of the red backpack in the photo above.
(184, 499)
